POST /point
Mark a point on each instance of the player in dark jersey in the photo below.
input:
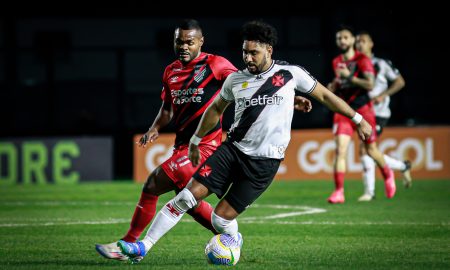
(243, 167)
(354, 77)
(190, 84)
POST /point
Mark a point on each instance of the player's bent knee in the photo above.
(184, 200)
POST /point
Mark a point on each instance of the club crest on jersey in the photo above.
(200, 76)
(278, 80)
(244, 85)
(174, 79)
(205, 170)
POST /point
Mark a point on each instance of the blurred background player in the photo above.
(388, 81)
(354, 78)
(190, 84)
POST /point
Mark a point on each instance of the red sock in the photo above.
(202, 214)
(143, 214)
(339, 180)
(385, 171)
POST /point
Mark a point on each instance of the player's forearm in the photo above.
(366, 84)
(162, 119)
(333, 102)
(209, 120)
(396, 86)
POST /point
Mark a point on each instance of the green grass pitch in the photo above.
(290, 227)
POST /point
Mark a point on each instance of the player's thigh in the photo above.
(179, 168)
(381, 123)
(158, 182)
(217, 171)
(255, 177)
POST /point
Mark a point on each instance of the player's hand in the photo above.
(343, 71)
(379, 99)
(194, 155)
(333, 86)
(151, 135)
(302, 104)
(364, 130)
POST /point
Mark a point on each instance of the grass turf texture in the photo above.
(56, 227)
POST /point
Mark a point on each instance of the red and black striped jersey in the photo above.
(355, 96)
(190, 88)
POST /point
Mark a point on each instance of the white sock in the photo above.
(168, 217)
(368, 174)
(394, 164)
(225, 226)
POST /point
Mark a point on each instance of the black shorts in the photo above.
(247, 176)
(381, 123)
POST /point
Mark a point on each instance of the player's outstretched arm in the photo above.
(161, 120)
(209, 120)
(336, 104)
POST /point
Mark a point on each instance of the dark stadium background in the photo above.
(73, 68)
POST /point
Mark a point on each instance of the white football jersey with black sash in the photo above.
(264, 106)
(385, 74)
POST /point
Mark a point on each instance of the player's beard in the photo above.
(345, 49)
(253, 68)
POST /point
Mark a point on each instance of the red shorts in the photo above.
(344, 125)
(179, 168)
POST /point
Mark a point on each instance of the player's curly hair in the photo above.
(259, 31)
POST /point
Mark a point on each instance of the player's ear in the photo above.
(202, 40)
(270, 50)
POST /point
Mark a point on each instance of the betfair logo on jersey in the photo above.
(243, 103)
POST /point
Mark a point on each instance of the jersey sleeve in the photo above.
(365, 65)
(391, 72)
(221, 68)
(226, 92)
(304, 82)
(165, 92)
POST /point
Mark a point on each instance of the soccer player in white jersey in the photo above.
(388, 81)
(248, 160)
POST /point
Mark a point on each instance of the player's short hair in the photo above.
(364, 32)
(259, 31)
(189, 24)
(345, 27)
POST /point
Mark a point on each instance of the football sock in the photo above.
(168, 217)
(368, 174)
(395, 164)
(385, 171)
(202, 214)
(143, 214)
(339, 180)
(225, 226)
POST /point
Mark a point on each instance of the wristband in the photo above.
(195, 140)
(357, 118)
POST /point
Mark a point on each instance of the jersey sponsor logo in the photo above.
(243, 103)
(188, 95)
(205, 170)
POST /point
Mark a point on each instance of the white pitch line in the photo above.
(247, 221)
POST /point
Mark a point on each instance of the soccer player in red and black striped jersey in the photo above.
(190, 84)
(354, 77)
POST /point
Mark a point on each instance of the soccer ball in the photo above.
(222, 249)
